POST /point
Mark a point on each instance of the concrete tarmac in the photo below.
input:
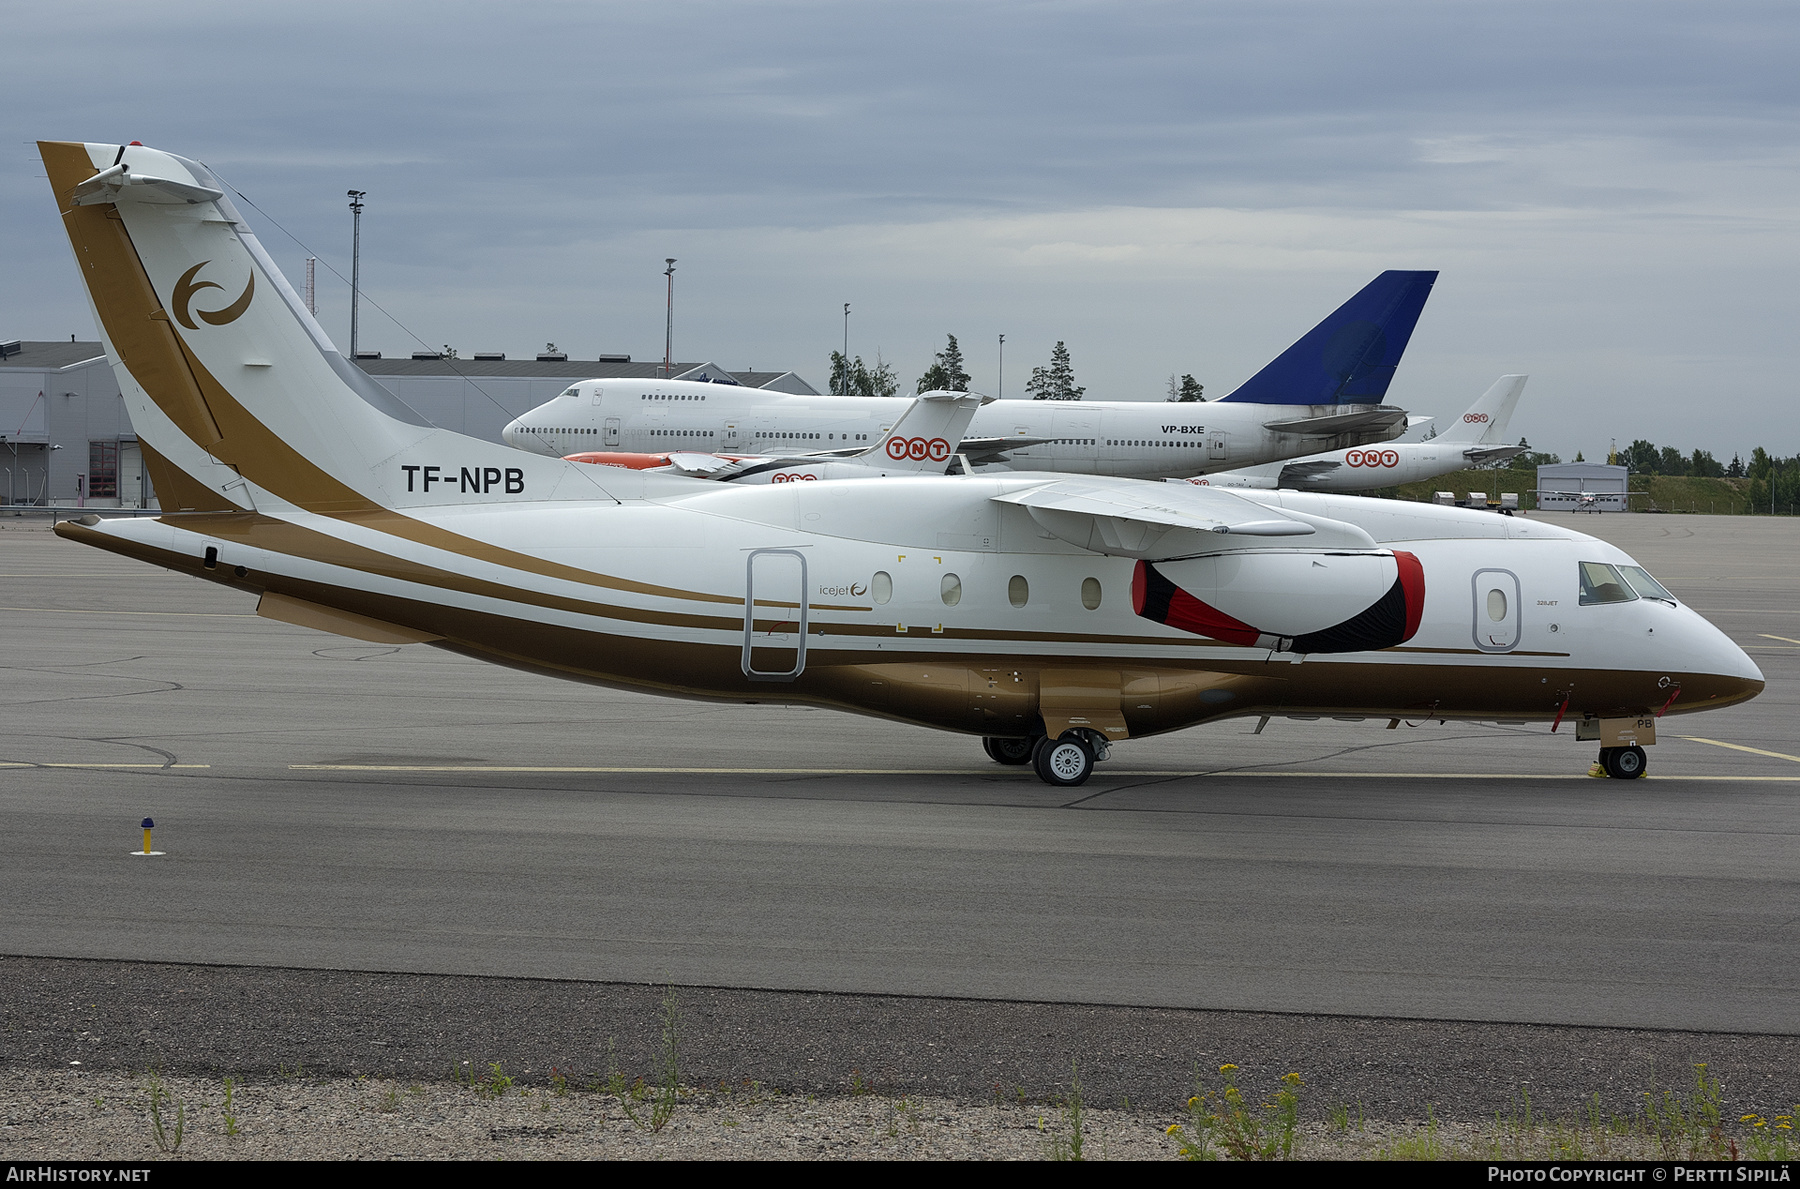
(330, 804)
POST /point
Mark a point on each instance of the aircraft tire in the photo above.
(1065, 763)
(1008, 750)
(1625, 763)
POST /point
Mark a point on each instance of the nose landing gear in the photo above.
(1623, 763)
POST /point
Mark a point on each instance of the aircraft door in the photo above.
(1497, 610)
(775, 615)
(611, 428)
(1218, 446)
(728, 439)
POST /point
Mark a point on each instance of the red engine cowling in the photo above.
(1287, 601)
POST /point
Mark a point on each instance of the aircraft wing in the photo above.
(710, 466)
(1296, 473)
(1158, 522)
(1380, 417)
(1482, 455)
(982, 450)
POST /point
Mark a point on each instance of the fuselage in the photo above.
(930, 602)
(1130, 439)
(1363, 468)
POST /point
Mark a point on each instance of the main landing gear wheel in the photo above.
(1067, 762)
(1004, 750)
(1624, 763)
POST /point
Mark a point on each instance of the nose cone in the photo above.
(1720, 673)
(509, 435)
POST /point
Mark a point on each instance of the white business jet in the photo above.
(1477, 438)
(1322, 393)
(1054, 616)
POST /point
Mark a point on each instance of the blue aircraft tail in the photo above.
(1350, 357)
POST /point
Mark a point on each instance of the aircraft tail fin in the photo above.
(1486, 420)
(1350, 357)
(231, 384)
(927, 434)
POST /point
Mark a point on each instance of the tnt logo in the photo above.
(1475, 418)
(1373, 458)
(793, 477)
(918, 449)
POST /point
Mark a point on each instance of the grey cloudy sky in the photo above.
(1608, 188)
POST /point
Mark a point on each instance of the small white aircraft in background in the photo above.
(1475, 439)
(924, 441)
(1054, 616)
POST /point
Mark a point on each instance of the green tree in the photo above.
(1185, 391)
(946, 374)
(1534, 458)
(858, 379)
(1704, 465)
(1642, 458)
(1056, 382)
(1671, 462)
(1736, 469)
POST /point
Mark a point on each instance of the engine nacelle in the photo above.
(1290, 601)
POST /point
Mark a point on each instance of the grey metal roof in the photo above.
(574, 369)
(40, 356)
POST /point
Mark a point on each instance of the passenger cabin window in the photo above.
(1601, 583)
(1496, 605)
(1090, 593)
(950, 590)
(881, 587)
(1018, 591)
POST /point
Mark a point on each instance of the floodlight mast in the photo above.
(356, 210)
(669, 325)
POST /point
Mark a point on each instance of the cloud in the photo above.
(1167, 187)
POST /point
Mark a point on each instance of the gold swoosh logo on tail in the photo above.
(185, 289)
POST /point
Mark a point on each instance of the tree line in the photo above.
(1054, 381)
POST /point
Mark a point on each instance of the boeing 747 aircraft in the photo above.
(1322, 393)
(1055, 617)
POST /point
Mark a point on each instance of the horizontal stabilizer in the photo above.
(1350, 357)
(981, 450)
(1483, 455)
(1294, 474)
(1382, 417)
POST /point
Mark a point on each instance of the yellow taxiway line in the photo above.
(1757, 751)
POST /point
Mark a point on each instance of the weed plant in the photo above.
(231, 1123)
(650, 1107)
(1068, 1144)
(1222, 1123)
(161, 1097)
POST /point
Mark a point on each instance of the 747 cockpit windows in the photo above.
(1603, 583)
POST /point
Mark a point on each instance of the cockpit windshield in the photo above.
(1644, 584)
(1601, 583)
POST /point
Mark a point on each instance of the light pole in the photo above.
(356, 209)
(1002, 367)
(669, 325)
(846, 348)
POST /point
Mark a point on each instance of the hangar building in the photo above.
(66, 439)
